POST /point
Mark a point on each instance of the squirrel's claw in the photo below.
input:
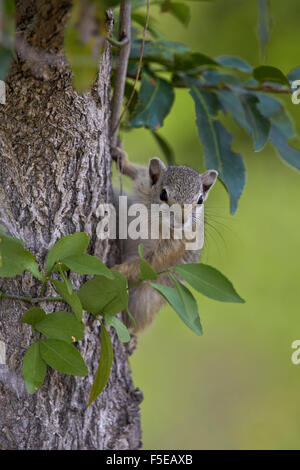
(120, 157)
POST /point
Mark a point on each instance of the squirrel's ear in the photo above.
(156, 166)
(208, 179)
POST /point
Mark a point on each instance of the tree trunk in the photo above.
(55, 171)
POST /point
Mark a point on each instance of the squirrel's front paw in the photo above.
(117, 267)
(130, 269)
(121, 268)
(120, 157)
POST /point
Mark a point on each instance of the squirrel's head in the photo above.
(179, 184)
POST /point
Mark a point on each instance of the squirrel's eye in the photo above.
(164, 195)
(200, 200)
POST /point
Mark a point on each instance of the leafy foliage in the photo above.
(217, 146)
(104, 296)
(61, 325)
(218, 86)
(62, 356)
(15, 259)
(214, 88)
(33, 315)
(183, 302)
(208, 281)
(104, 368)
(155, 101)
(228, 85)
(147, 272)
(34, 368)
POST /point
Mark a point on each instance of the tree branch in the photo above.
(39, 36)
(121, 70)
(31, 300)
(207, 86)
(264, 88)
(50, 21)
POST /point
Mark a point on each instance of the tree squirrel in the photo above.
(159, 184)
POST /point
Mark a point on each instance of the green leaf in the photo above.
(15, 259)
(33, 315)
(289, 154)
(135, 50)
(274, 110)
(217, 148)
(104, 368)
(191, 60)
(234, 63)
(102, 295)
(66, 280)
(165, 147)
(63, 356)
(58, 267)
(183, 302)
(147, 272)
(140, 19)
(131, 71)
(214, 77)
(259, 124)
(156, 97)
(34, 368)
(32, 266)
(265, 25)
(71, 299)
(294, 74)
(180, 11)
(162, 52)
(266, 73)
(208, 281)
(61, 325)
(5, 61)
(87, 264)
(70, 245)
(231, 102)
(122, 332)
(135, 4)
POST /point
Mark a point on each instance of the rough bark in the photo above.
(55, 169)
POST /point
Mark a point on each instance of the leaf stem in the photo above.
(44, 285)
(31, 300)
(116, 43)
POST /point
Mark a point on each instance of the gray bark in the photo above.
(55, 169)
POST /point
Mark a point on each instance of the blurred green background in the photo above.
(235, 387)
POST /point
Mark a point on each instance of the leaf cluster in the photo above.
(104, 296)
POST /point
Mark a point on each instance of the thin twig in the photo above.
(31, 300)
(264, 88)
(139, 66)
(208, 86)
